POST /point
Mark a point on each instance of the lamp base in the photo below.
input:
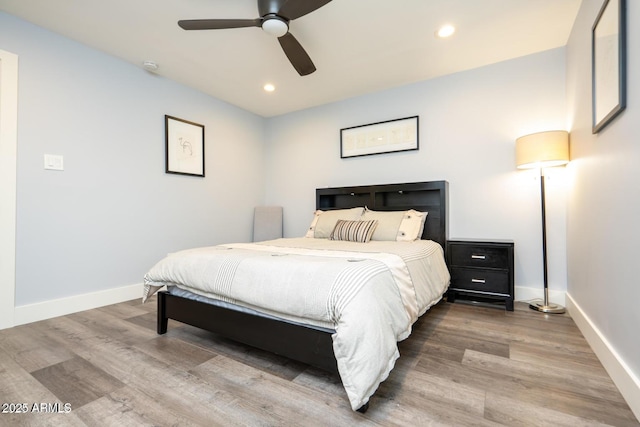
(539, 305)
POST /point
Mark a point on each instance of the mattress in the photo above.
(368, 293)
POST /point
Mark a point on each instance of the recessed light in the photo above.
(445, 31)
(269, 87)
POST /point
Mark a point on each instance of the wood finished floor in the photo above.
(463, 366)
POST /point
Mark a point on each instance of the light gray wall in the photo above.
(468, 125)
(604, 203)
(113, 212)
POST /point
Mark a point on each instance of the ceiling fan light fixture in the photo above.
(275, 26)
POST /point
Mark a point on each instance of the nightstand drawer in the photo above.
(474, 279)
(479, 256)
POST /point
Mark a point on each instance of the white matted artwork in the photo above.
(184, 147)
(377, 138)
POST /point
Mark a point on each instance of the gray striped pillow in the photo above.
(354, 231)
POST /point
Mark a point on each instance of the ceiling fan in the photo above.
(274, 19)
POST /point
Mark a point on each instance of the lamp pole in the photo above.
(545, 306)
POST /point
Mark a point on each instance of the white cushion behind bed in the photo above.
(267, 223)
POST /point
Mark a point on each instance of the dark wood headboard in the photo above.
(429, 197)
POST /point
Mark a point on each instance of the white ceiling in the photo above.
(358, 46)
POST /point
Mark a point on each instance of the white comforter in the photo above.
(369, 293)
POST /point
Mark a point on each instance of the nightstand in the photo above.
(481, 269)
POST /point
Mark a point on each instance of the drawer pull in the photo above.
(478, 257)
(478, 281)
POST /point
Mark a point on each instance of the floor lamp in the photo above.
(542, 150)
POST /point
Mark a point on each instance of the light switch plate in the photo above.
(53, 162)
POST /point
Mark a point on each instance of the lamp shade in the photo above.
(543, 149)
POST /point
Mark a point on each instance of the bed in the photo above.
(328, 301)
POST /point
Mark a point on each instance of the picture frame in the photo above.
(184, 145)
(382, 137)
(608, 64)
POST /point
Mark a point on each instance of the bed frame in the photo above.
(311, 345)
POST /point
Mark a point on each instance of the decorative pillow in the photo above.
(422, 222)
(354, 231)
(388, 223)
(396, 225)
(412, 226)
(325, 221)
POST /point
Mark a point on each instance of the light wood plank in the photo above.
(578, 361)
(519, 413)
(32, 350)
(77, 381)
(179, 354)
(274, 400)
(129, 407)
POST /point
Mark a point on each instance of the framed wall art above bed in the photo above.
(381, 137)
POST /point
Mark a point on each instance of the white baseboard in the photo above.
(523, 293)
(62, 306)
(622, 376)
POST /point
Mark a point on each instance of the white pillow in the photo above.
(325, 221)
(388, 223)
(396, 225)
(412, 226)
(422, 222)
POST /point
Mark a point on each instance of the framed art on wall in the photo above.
(184, 142)
(382, 137)
(608, 64)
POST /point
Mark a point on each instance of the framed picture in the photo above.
(608, 63)
(382, 137)
(184, 146)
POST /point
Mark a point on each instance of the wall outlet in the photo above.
(53, 162)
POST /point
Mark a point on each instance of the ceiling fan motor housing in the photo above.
(275, 25)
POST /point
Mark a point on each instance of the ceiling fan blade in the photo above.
(294, 9)
(218, 24)
(296, 54)
(266, 7)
